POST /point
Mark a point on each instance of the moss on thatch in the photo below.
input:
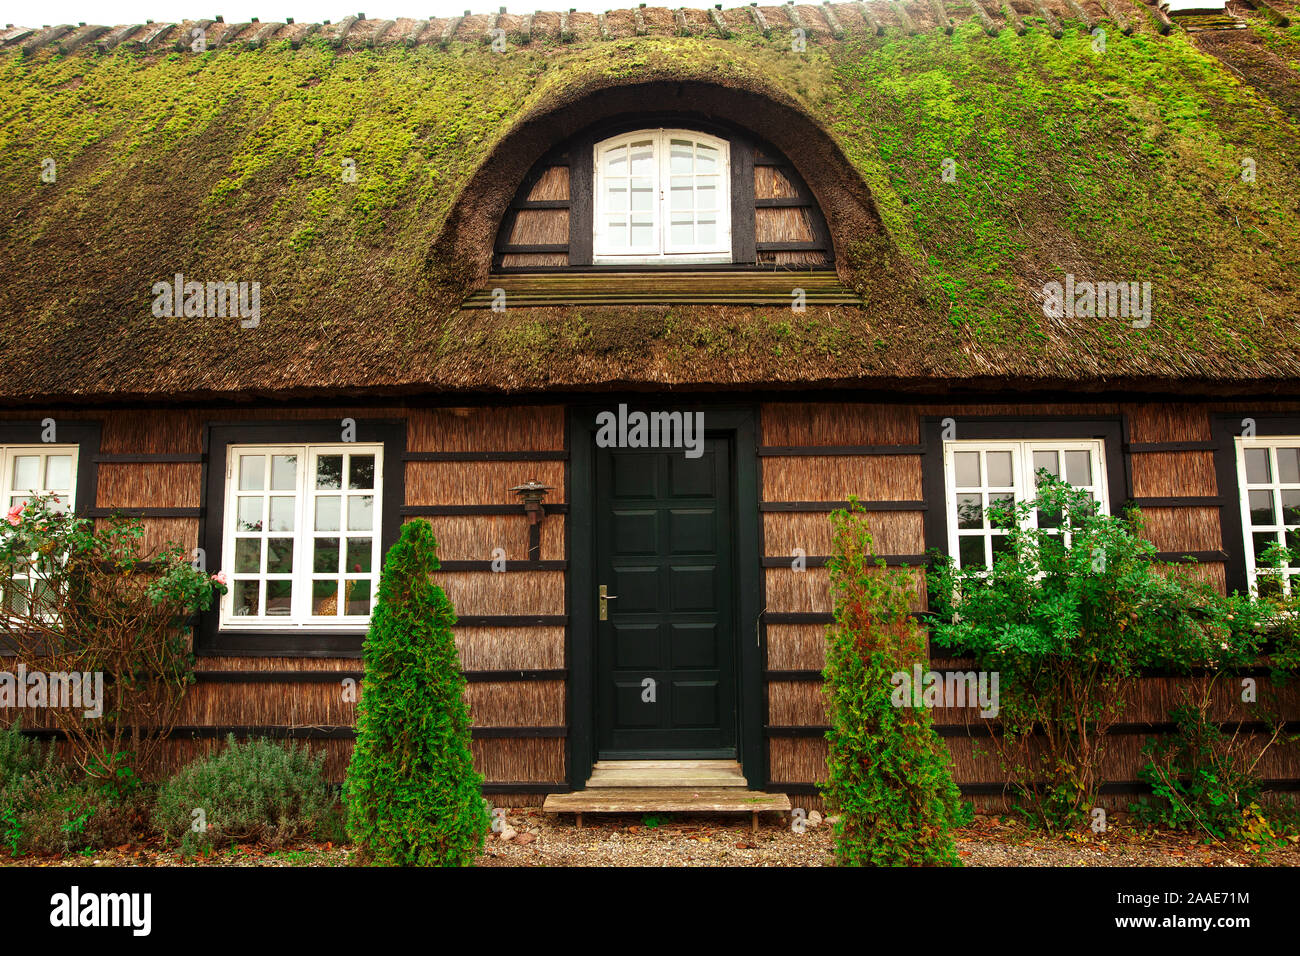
(1116, 166)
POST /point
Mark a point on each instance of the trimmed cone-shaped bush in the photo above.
(888, 772)
(413, 796)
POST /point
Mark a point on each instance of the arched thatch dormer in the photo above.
(665, 191)
(597, 183)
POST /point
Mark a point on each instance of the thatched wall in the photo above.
(513, 643)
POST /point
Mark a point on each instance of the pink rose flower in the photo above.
(14, 514)
(220, 578)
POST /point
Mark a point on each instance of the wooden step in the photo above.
(666, 800)
(667, 773)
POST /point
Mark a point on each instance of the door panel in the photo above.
(664, 543)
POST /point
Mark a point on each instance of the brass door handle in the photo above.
(605, 598)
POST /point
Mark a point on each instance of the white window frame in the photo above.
(1023, 487)
(720, 251)
(1275, 486)
(304, 535)
(67, 496)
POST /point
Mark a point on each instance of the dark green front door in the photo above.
(665, 653)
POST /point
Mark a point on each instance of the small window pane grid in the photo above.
(301, 544)
(980, 476)
(662, 193)
(27, 472)
(1268, 474)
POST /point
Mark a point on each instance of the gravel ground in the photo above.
(727, 841)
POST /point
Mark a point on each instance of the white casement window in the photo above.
(301, 540)
(662, 196)
(1268, 474)
(979, 475)
(27, 472)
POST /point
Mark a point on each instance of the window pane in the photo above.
(616, 161)
(682, 194)
(1001, 509)
(616, 194)
(324, 598)
(706, 231)
(284, 472)
(27, 473)
(970, 551)
(967, 466)
(1262, 540)
(1001, 544)
(681, 157)
(643, 158)
(999, 466)
(361, 512)
(1291, 506)
(252, 472)
(1257, 469)
(250, 514)
(329, 472)
(327, 513)
(326, 560)
(282, 513)
(359, 555)
(1047, 461)
(683, 231)
(1288, 465)
(706, 192)
(279, 556)
(970, 511)
(617, 232)
(1293, 545)
(1261, 506)
(245, 595)
(643, 234)
(361, 471)
(58, 473)
(248, 555)
(358, 597)
(279, 598)
(706, 158)
(1078, 468)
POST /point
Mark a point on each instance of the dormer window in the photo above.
(662, 196)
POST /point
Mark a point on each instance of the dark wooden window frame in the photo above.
(1108, 429)
(86, 435)
(210, 639)
(1225, 428)
(578, 153)
(751, 700)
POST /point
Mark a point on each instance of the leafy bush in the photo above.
(889, 775)
(256, 792)
(81, 598)
(413, 796)
(1204, 778)
(1073, 608)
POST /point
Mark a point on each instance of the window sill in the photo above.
(653, 286)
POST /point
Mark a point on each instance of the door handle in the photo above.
(605, 598)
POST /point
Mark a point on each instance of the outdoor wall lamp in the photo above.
(533, 492)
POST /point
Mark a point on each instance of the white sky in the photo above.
(110, 12)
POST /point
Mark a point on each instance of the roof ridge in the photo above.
(821, 22)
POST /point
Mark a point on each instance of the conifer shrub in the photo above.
(889, 777)
(413, 796)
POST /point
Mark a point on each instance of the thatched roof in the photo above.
(1122, 165)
